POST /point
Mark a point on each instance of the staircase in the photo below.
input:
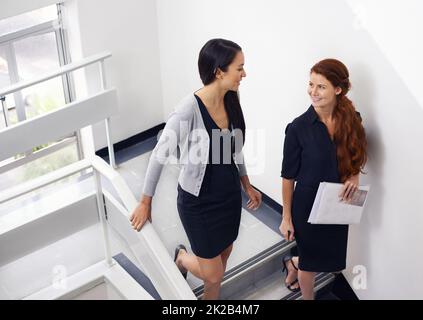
(249, 276)
(261, 278)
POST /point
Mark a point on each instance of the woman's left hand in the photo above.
(254, 196)
(349, 187)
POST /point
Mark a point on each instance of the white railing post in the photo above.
(101, 213)
(107, 120)
(5, 111)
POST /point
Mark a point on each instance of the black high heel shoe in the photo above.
(177, 249)
(288, 259)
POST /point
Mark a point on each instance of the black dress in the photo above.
(211, 220)
(309, 157)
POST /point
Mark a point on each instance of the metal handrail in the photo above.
(170, 271)
(52, 74)
(180, 288)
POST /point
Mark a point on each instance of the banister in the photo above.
(166, 271)
(147, 233)
(52, 74)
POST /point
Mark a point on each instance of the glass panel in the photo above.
(28, 19)
(39, 167)
(2, 121)
(13, 117)
(11, 107)
(9, 160)
(5, 80)
(43, 97)
(34, 56)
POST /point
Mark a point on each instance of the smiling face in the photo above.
(321, 91)
(231, 78)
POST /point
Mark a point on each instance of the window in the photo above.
(32, 44)
(27, 20)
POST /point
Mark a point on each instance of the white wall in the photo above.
(281, 41)
(128, 29)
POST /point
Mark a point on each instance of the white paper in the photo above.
(328, 209)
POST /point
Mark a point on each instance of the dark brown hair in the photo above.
(219, 54)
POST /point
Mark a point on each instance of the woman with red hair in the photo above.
(326, 143)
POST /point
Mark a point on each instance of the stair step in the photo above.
(269, 288)
(261, 278)
(242, 276)
(322, 281)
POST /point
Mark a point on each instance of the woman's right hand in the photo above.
(141, 214)
(287, 229)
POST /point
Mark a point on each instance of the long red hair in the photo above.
(350, 137)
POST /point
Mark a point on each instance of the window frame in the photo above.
(7, 40)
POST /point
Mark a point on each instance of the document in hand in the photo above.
(328, 209)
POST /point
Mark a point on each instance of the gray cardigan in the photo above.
(185, 128)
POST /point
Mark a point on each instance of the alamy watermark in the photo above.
(185, 146)
(360, 279)
(59, 280)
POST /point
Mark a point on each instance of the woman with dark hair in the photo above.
(326, 143)
(209, 129)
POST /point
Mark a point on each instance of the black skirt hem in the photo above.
(320, 269)
(211, 256)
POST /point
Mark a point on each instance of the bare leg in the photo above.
(292, 273)
(212, 274)
(306, 280)
(209, 270)
(225, 256)
(189, 262)
(295, 260)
